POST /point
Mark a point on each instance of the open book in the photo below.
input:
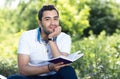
(67, 59)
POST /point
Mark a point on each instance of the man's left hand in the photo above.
(56, 32)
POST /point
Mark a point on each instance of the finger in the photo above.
(58, 67)
(58, 30)
(60, 63)
(65, 54)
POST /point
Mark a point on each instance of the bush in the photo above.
(8, 66)
(8, 51)
(101, 58)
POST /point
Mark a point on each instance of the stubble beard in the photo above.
(45, 30)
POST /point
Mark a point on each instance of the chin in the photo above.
(51, 31)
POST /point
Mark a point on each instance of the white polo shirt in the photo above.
(33, 45)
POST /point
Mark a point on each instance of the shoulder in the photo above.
(63, 35)
(29, 33)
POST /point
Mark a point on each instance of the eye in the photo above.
(55, 18)
(47, 19)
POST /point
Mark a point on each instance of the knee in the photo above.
(67, 69)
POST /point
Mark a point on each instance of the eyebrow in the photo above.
(53, 17)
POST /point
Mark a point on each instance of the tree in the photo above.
(104, 15)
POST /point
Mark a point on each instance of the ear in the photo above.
(39, 23)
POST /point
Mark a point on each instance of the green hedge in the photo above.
(101, 58)
(8, 66)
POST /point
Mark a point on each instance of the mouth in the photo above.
(52, 28)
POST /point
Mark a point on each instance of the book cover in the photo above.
(67, 59)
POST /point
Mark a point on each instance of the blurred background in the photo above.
(94, 26)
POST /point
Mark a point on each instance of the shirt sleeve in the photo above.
(23, 46)
(64, 43)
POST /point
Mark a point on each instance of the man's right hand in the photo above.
(56, 67)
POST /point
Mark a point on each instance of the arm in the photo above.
(23, 58)
(26, 69)
(55, 51)
(54, 48)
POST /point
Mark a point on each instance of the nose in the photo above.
(52, 22)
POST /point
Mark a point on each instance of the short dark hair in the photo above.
(45, 8)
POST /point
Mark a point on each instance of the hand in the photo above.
(64, 54)
(56, 32)
(56, 67)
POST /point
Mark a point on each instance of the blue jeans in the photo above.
(66, 72)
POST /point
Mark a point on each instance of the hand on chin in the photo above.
(55, 32)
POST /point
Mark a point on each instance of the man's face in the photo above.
(50, 21)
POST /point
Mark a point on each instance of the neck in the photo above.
(44, 36)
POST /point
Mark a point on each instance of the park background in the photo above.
(94, 26)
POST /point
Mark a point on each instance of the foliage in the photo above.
(104, 15)
(82, 15)
(101, 58)
(73, 25)
(8, 66)
(25, 15)
(6, 25)
(8, 51)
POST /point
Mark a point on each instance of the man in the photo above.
(41, 44)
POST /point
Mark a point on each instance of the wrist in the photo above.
(50, 39)
(50, 67)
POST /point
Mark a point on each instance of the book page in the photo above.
(73, 55)
(78, 56)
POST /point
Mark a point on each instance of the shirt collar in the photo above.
(38, 35)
